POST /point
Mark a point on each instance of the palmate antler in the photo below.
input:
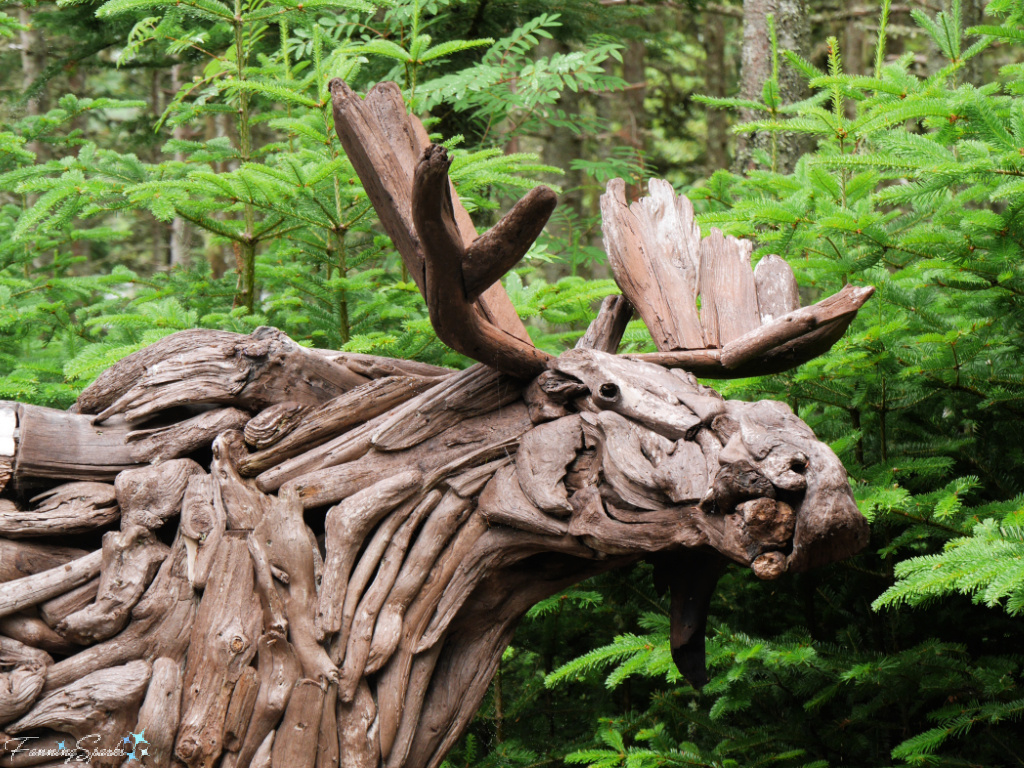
(749, 322)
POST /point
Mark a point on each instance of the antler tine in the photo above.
(455, 275)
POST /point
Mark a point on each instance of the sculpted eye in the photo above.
(609, 391)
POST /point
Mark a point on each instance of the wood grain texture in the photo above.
(653, 250)
(728, 306)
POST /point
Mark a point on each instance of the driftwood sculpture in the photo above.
(239, 552)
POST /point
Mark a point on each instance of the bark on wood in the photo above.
(131, 558)
(222, 643)
(69, 508)
(184, 437)
(337, 416)
(160, 714)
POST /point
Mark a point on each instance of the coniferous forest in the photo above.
(173, 164)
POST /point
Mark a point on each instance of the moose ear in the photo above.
(691, 576)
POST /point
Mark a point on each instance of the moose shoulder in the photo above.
(305, 558)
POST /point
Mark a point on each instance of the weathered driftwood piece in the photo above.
(22, 674)
(240, 708)
(608, 327)
(473, 441)
(34, 589)
(160, 626)
(203, 522)
(296, 739)
(663, 265)
(131, 558)
(376, 367)
(279, 671)
(160, 714)
(90, 705)
(664, 290)
(249, 371)
(150, 495)
(337, 416)
(291, 546)
(23, 558)
(182, 438)
(69, 508)
(35, 633)
(459, 498)
(447, 287)
(52, 444)
(223, 642)
(384, 145)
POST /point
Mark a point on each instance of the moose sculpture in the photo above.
(357, 536)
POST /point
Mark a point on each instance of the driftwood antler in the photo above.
(454, 275)
(308, 559)
(457, 272)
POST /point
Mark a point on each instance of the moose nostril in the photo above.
(798, 463)
(609, 391)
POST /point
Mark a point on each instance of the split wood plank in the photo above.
(653, 249)
(728, 297)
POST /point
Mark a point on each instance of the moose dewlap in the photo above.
(236, 551)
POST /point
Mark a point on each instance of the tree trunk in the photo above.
(715, 85)
(791, 25)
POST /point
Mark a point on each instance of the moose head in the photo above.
(358, 537)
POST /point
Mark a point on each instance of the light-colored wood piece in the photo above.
(652, 247)
(777, 293)
(728, 298)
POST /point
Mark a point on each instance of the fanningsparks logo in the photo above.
(132, 747)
